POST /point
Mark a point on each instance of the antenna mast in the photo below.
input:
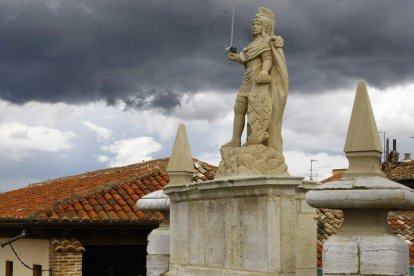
(311, 169)
(385, 149)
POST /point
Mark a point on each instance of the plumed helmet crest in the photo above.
(267, 18)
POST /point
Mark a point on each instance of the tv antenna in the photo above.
(311, 169)
(385, 149)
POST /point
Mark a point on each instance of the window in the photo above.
(37, 270)
(9, 268)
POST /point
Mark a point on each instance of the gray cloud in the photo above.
(148, 53)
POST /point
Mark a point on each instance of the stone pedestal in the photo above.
(306, 232)
(158, 249)
(365, 245)
(244, 226)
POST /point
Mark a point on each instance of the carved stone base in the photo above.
(247, 226)
(250, 161)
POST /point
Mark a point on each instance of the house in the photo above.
(87, 223)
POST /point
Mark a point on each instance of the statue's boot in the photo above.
(238, 126)
(261, 139)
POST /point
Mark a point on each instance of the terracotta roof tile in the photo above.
(92, 200)
(18, 204)
(67, 246)
(401, 171)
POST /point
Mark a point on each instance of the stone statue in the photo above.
(262, 97)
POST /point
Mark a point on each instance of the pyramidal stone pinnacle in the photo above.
(181, 166)
(363, 147)
(365, 240)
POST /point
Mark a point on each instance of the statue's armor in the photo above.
(252, 70)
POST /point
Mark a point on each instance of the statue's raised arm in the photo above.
(261, 98)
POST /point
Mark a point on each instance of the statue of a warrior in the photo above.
(263, 93)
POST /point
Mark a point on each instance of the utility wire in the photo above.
(23, 263)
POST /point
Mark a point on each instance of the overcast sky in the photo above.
(88, 84)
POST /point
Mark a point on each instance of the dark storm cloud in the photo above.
(148, 53)
(335, 42)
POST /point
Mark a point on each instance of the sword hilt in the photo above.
(231, 49)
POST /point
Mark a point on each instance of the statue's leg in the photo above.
(240, 109)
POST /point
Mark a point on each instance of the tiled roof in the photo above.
(105, 195)
(113, 203)
(401, 171)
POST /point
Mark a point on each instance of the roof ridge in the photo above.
(136, 166)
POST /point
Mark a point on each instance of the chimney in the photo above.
(407, 157)
(394, 154)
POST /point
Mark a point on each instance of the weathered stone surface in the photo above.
(179, 233)
(365, 255)
(306, 232)
(206, 271)
(358, 198)
(244, 226)
(159, 241)
(214, 255)
(180, 167)
(340, 255)
(367, 182)
(155, 201)
(158, 248)
(306, 254)
(263, 93)
(392, 251)
(156, 263)
(196, 232)
(251, 160)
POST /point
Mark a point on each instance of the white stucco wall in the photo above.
(31, 251)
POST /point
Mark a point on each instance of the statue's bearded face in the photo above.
(257, 27)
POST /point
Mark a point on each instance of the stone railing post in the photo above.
(365, 244)
(158, 249)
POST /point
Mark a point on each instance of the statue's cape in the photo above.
(279, 91)
(278, 87)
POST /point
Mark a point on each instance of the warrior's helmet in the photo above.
(267, 18)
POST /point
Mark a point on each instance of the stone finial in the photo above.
(181, 166)
(365, 197)
(363, 147)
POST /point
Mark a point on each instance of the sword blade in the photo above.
(232, 24)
